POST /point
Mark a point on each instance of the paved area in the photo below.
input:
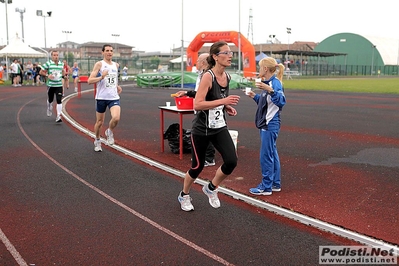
(62, 203)
(339, 152)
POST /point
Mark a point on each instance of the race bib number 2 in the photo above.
(216, 117)
(110, 81)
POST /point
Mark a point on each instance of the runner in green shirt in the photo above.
(53, 70)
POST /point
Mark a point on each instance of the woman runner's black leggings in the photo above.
(223, 144)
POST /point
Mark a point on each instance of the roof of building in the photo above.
(361, 49)
(388, 49)
(100, 44)
(308, 53)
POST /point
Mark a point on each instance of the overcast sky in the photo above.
(156, 25)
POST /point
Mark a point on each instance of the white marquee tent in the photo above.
(178, 60)
(18, 49)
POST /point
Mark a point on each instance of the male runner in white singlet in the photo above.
(105, 74)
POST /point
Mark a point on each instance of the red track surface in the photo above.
(321, 143)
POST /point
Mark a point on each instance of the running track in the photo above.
(66, 205)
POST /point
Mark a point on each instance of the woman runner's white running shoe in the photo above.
(185, 202)
(212, 195)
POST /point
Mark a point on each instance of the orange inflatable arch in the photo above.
(247, 49)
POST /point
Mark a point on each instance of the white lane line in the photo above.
(10, 247)
(120, 204)
(324, 226)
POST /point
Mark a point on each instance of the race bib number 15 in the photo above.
(110, 81)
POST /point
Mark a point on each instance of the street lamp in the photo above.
(66, 34)
(39, 13)
(271, 36)
(372, 58)
(288, 32)
(239, 37)
(182, 47)
(6, 2)
(21, 11)
(115, 35)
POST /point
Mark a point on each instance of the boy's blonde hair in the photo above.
(272, 65)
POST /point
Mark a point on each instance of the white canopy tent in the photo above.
(178, 60)
(18, 49)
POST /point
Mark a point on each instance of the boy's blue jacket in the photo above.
(270, 105)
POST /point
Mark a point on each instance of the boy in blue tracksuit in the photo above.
(267, 119)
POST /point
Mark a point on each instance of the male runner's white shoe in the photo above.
(58, 119)
(110, 136)
(50, 110)
(97, 145)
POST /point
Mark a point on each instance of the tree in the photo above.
(71, 58)
(155, 61)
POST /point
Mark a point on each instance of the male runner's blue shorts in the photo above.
(101, 105)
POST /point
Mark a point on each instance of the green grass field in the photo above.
(345, 84)
(359, 84)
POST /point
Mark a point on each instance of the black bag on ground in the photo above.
(172, 135)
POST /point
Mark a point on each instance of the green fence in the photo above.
(312, 68)
(173, 79)
(315, 69)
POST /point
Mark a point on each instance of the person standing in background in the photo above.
(20, 73)
(105, 74)
(14, 68)
(124, 73)
(36, 75)
(29, 72)
(125, 70)
(270, 103)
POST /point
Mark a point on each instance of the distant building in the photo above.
(348, 53)
(67, 47)
(92, 50)
(364, 55)
(361, 50)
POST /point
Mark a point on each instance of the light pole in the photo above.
(182, 48)
(288, 32)
(40, 14)
(372, 58)
(239, 37)
(6, 2)
(66, 34)
(115, 35)
(271, 36)
(21, 11)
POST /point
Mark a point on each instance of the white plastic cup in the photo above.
(258, 80)
(247, 90)
(167, 104)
